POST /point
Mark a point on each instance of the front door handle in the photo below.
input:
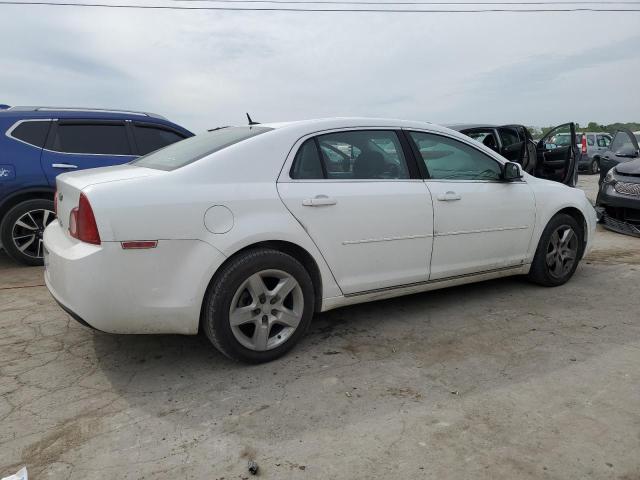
(63, 165)
(319, 201)
(450, 196)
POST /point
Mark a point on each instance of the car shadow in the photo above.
(464, 339)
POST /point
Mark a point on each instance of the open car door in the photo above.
(556, 155)
(517, 146)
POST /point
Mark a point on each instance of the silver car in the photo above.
(590, 146)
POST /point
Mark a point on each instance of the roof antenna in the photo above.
(251, 122)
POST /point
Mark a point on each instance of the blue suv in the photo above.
(38, 143)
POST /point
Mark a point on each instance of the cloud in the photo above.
(204, 69)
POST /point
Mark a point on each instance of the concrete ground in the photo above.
(501, 379)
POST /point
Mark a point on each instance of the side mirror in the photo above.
(627, 152)
(511, 171)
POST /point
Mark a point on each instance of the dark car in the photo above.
(553, 157)
(618, 199)
(623, 148)
(38, 143)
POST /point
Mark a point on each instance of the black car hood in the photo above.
(629, 168)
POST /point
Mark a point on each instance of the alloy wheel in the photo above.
(562, 251)
(266, 310)
(595, 167)
(28, 230)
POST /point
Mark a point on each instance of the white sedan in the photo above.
(246, 232)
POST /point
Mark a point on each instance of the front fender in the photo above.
(553, 199)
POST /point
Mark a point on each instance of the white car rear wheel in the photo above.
(259, 306)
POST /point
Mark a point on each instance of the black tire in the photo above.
(594, 167)
(9, 223)
(540, 272)
(217, 303)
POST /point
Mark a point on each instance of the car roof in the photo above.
(13, 114)
(320, 124)
(61, 112)
(469, 126)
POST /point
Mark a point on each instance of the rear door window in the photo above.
(352, 155)
(91, 138)
(33, 132)
(509, 137)
(150, 138)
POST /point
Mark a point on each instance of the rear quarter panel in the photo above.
(172, 205)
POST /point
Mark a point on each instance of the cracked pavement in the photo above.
(501, 379)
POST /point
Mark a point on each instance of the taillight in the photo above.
(584, 144)
(82, 222)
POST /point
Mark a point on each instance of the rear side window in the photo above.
(603, 140)
(620, 141)
(88, 138)
(195, 148)
(150, 138)
(591, 140)
(307, 164)
(33, 132)
(351, 155)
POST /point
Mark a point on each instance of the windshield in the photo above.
(195, 148)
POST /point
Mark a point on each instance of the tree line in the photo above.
(590, 127)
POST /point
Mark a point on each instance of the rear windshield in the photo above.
(193, 149)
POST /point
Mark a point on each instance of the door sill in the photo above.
(417, 287)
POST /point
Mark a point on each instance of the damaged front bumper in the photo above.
(618, 205)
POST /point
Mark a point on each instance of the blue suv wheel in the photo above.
(22, 230)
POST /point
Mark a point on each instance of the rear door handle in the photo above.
(319, 201)
(63, 165)
(449, 197)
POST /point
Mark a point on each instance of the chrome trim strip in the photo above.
(132, 156)
(91, 110)
(484, 230)
(385, 239)
(431, 282)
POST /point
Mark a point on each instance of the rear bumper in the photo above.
(157, 290)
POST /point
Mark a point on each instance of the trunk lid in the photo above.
(70, 185)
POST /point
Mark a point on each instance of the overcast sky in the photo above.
(205, 69)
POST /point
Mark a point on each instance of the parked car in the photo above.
(38, 143)
(623, 148)
(590, 146)
(553, 157)
(619, 198)
(245, 232)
